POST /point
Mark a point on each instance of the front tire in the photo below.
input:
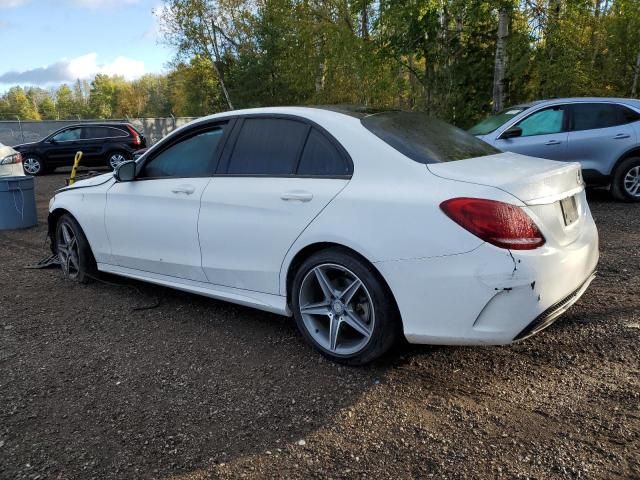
(33, 165)
(626, 181)
(74, 252)
(343, 307)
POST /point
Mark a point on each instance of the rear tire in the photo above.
(343, 307)
(625, 185)
(115, 158)
(74, 252)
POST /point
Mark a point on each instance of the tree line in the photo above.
(457, 60)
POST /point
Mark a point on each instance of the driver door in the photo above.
(152, 222)
(63, 145)
(544, 135)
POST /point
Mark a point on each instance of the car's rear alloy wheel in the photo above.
(343, 308)
(32, 165)
(115, 159)
(626, 180)
(73, 250)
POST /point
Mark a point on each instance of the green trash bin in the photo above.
(17, 203)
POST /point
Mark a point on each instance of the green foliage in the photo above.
(430, 55)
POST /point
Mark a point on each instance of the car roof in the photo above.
(554, 101)
(97, 124)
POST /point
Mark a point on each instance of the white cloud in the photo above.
(155, 32)
(11, 3)
(68, 70)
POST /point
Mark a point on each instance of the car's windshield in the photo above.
(425, 139)
(489, 124)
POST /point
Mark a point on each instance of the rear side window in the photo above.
(425, 139)
(191, 157)
(629, 115)
(102, 132)
(589, 116)
(267, 146)
(543, 122)
(321, 158)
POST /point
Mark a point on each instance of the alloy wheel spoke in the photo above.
(73, 261)
(347, 294)
(66, 235)
(334, 330)
(325, 285)
(320, 308)
(354, 321)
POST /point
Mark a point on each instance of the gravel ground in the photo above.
(195, 388)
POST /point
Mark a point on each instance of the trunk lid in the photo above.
(532, 180)
(548, 188)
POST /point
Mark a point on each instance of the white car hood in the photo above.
(90, 182)
(532, 180)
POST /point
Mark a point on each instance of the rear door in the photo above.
(277, 176)
(91, 144)
(600, 133)
(152, 222)
(544, 134)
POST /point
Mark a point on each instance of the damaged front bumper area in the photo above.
(490, 296)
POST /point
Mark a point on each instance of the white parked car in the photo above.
(10, 162)
(365, 227)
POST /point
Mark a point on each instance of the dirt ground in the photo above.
(195, 388)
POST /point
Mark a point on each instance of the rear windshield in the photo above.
(493, 122)
(425, 139)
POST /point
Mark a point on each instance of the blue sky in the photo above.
(48, 42)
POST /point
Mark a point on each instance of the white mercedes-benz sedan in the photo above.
(365, 226)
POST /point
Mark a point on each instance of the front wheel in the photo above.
(74, 253)
(343, 308)
(32, 165)
(626, 180)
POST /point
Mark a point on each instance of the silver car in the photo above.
(603, 134)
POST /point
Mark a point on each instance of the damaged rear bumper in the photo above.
(490, 296)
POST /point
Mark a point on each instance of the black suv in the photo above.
(102, 144)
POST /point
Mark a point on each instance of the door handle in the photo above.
(621, 135)
(186, 189)
(300, 195)
(553, 142)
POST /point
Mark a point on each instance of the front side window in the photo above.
(589, 116)
(68, 135)
(191, 157)
(425, 139)
(544, 122)
(267, 146)
(493, 122)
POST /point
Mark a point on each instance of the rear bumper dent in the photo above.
(551, 314)
(490, 296)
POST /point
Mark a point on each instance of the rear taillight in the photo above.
(501, 224)
(136, 137)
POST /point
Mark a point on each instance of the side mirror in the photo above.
(52, 140)
(126, 171)
(511, 132)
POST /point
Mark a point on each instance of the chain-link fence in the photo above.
(16, 131)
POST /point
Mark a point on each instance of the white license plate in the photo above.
(569, 210)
